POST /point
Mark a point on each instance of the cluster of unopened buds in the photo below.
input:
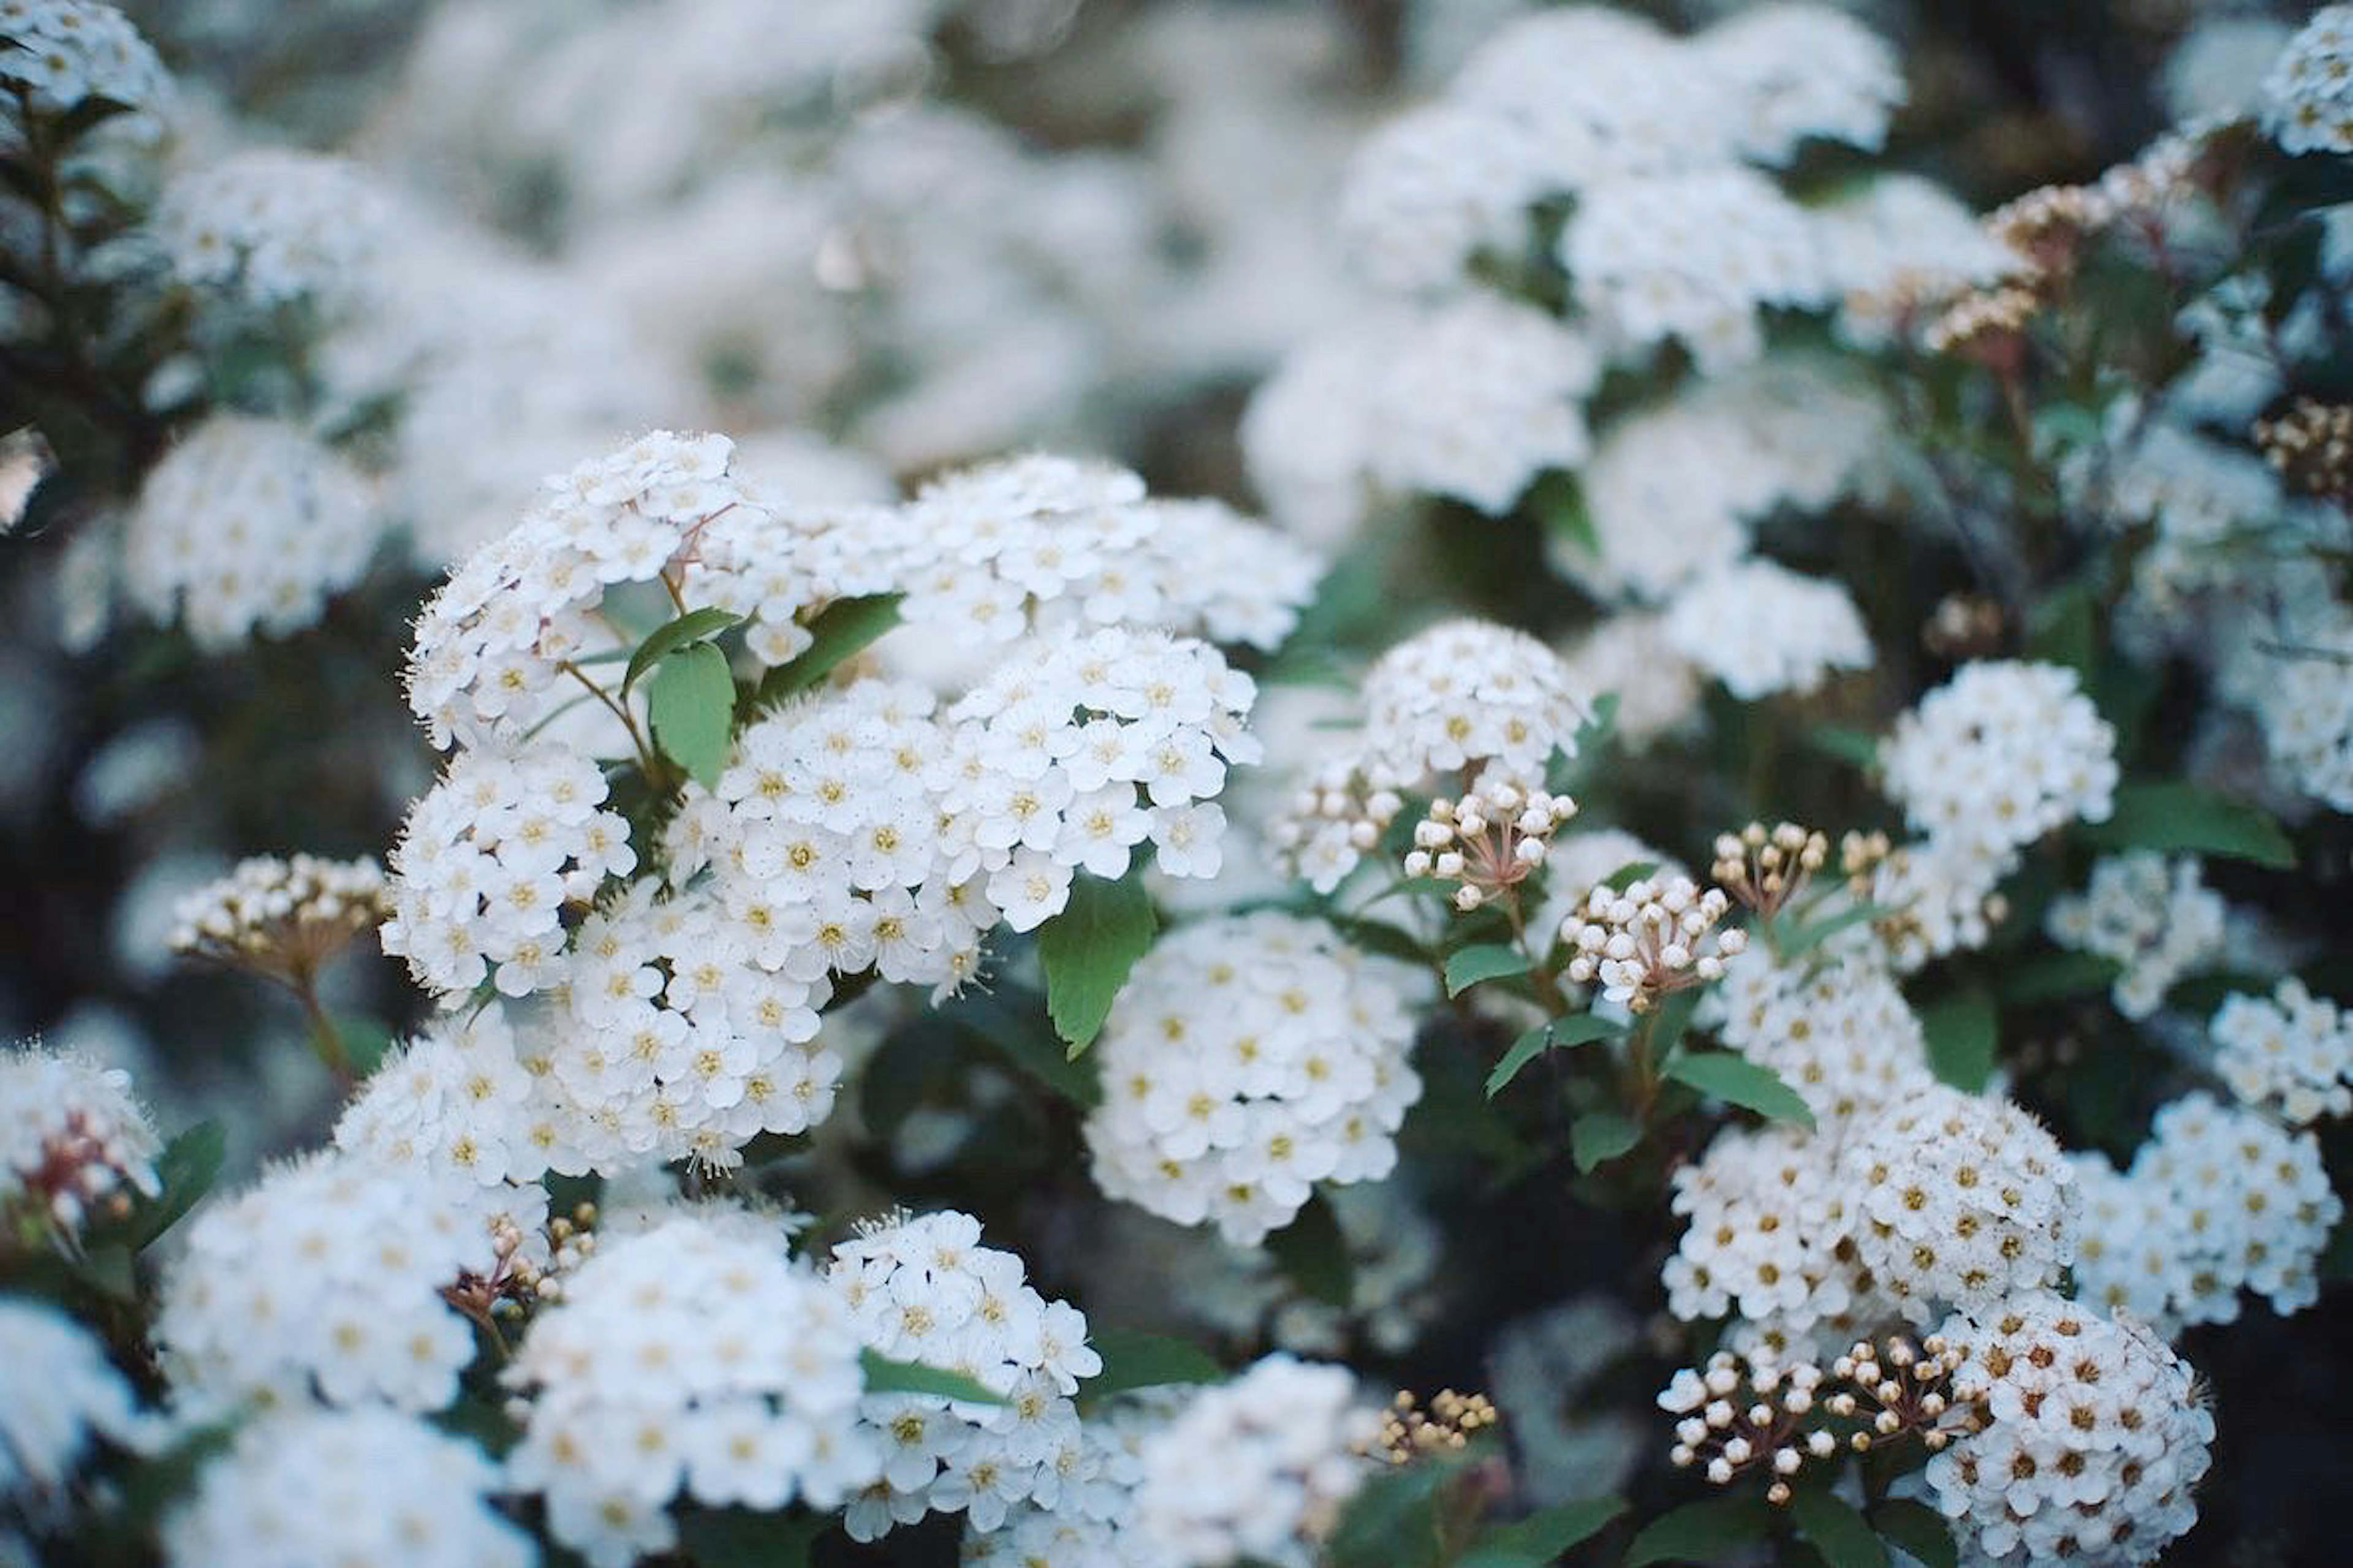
(1860, 854)
(2311, 445)
(1964, 626)
(1489, 841)
(1900, 1390)
(1408, 1432)
(1341, 796)
(571, 1242)
(1988, 320)
(1651, 939)
(1766, 867)
(510, 1286)
(282, 919)
(1733, 1422)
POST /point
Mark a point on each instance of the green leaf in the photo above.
(842, 630)
(1918, 1530)
(1492, 960)
(185, 1170)
(884, 1376)
(1599, 1136)
(108, 1269)
(1392, 1520)
(2184, 818)
(1629, 874)
(694, 626)
(1835, 1530)
(1698, 1531)
(1598, 726)
(1315, 1256)
(691, 702)
(1673, 1019)
(1088, 950)
(367, 1041)
(1580, 1030)
(1962, 1037)
(742, 1537)
(1011, 1020)
(1802, 940)
(1379, 937)
(2060, 975)
(1741, 1082)
(1860, 747)
(1541, 1538)
(1134, 1359)
(2064, 628)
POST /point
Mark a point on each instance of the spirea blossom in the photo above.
(2001, 754)
(1761, 628)
(455, 1098)
(2292, 1050)
(1798, 72)
(2308, 96)
(324, 1282)
(66, 1397)
(246, 526)
(1651, 937)
(1430, 189)
(2153, 917)
(66, 52)
(1246, 1059)
(75, 1145)
(1963, 1200)
(925, 1289)
(2095, 1437)
(1256, 1468)
(2304, 704)
(281, 917)
(1842, 1035)
(267, 226)
(687, 1362)
(1628, 657)
(361, 1489)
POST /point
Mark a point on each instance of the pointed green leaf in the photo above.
(746, 1538)
(1314, 1255)
(884, 1376)
(691, 702)
(1088, 950)
(695, 626)
(842, 630)
(1961, 1031)
(1538, 1539)
(1133, 1360)
(1011, 1019)
(1629, 874)
(1739, 1081)
(2057, 977)
(1798, 941)
(1702, 1531)
(186, 1171)
(1673, 1020)
(1918, 1530)
(1579, 1030)
(1599, 1136)
(1860, 747)
(2181, 818)
(1392, 1520)
(1835, 1530)
(1489, 961)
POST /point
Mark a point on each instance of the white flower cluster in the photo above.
(324, 1282)
(1246, 1058)
(2293, 1049)
(2095, 1435)
(1649, 938)
(2219, 1200)
(2308, 97)
(1465, 698)
(64, 1397)
(74, 1142)
(1942, 891)
(1761, 628)
(1842, 1036)
(66, 52)
(924, 1289)
(1628, 656)
(2304, 704)
(457, 1098)
(1999, 756)
(489, 859)
(1092, 1522)
(2154, 917)
(1257, 1469)
(687, 1359)
(268, 907)
(361, 1489)
(248, 525)
(269, 227)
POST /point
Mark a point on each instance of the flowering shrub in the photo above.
(998, 819)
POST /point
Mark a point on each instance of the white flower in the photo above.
(2154, 917)
(1999, 756)
(69, 51)
(2308, 96)
(66, 1397)
(1761, 628)
(267, 226)
(75, 1144)
(2294, 1049)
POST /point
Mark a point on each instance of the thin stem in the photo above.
(325, 1038)
(654, 770)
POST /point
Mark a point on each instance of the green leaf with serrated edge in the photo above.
(842, 630)
(1539, 1539)
(1011, 1019)
(1962, 1037)
(691, 702)
(1088, 950)
(1579, 1030)
(2181, 818)
(1315, 1256)
(1629, 874)
(1860, 747)
(1134, 1359)
(694, 626)
(1699, 1531)
(1836, 1530)
(185, 1174)
(1739, 1081)
(1918, 1530)
(1598, 1137)
(1494, 961)
(884, 1376)
(2056, 976)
